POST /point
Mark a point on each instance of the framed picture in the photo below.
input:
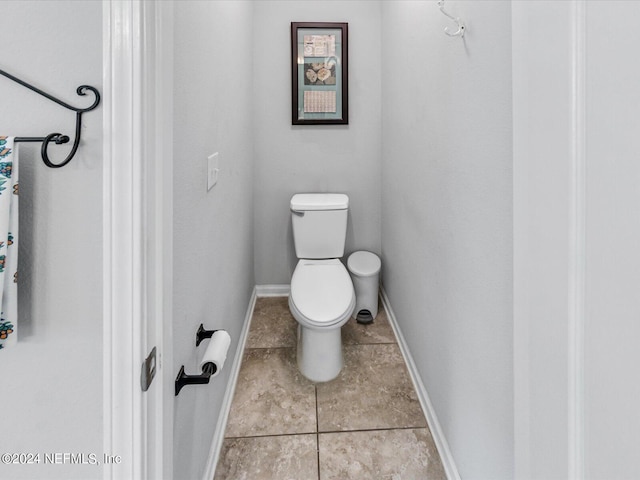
(319, 73)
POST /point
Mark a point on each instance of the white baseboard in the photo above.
(436, 431)
(218, 435)
(273, 290)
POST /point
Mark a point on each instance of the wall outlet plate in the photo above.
(213, 167)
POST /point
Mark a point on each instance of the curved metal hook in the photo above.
(461, 27)
(81, 91)
(58, 138)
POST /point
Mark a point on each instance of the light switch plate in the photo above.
(213, 167)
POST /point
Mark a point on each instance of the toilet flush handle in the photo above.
(297, 212)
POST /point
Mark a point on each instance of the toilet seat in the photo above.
(322, 293)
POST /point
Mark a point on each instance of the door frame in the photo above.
(137, 237)
(549, 212)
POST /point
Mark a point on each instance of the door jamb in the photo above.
(137, 235)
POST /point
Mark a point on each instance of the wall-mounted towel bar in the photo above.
(58, 138)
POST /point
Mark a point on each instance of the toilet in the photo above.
(322, 297)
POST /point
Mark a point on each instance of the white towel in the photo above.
(8, 242)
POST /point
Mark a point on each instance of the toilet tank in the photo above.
(319, 224)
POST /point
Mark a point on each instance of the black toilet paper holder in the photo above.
(183, 379)
(208, 369)
(201, 334)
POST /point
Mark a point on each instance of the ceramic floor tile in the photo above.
(271, 397)
(379, 331)
(373, 391)
(272, 324)
(380, 454)
(268, 458)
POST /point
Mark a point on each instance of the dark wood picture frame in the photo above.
(320, 88)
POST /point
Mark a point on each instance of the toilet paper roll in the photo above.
(216, 351)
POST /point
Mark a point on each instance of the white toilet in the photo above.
(322, 297)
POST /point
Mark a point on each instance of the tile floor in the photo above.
(365, 424)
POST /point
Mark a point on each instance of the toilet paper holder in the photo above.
(201, 334)
(183, 379)
(208, 369)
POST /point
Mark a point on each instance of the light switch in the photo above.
(213, 167)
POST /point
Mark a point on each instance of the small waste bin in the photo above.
(365, 273)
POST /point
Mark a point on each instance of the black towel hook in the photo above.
(58, 138)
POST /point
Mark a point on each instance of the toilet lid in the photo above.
(322, 291)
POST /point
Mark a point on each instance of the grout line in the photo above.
(315, 387)
(375, 429)
(271, 435)
(331, 431)
(344, 344)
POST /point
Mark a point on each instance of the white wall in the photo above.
(52, 380)
(291, 159)
(576, 237)
(447, 217)
(543, 174)
(213, 232)
(612, 329)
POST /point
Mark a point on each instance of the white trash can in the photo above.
(365, 273)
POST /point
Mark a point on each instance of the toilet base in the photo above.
(319, 353)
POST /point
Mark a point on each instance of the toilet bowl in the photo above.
(322, 300)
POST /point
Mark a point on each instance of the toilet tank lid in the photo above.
(319, 201)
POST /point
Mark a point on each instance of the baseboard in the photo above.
(436, 431)
(273, 290)
(218, 435)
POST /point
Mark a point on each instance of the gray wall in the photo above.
(543, 176)
(213, 231)
(577, 230)
(291, 159)
(447, 218)
(51, 381)
(612, 330)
